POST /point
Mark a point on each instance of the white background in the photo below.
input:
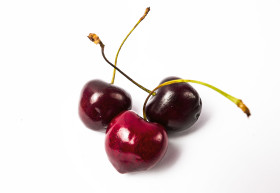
(46, 58)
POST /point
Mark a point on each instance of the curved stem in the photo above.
(94, 38)
(236, 101)
(116, 59)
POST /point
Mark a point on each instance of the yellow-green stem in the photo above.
(116, 59)
(236, 101)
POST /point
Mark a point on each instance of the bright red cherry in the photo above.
(100, 102)
(133, 144)
(175, 106)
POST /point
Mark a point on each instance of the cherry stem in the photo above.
(94, 38)
(116, 59)
(236, 101)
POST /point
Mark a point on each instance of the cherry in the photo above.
(133, 144)
(100, 102)
(168, 103)
(175, 106)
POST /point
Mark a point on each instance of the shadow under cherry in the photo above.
(171, 156)
(173, 152)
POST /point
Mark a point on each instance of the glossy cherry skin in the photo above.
(100, 102)
(176, 106)
(133, 144)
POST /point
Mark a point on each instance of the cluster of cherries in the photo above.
(134, 143)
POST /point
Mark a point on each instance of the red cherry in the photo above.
(133, 144)
(100, 102)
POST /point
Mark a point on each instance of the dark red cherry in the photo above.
(175, 106)
(100, 102)
(133, 144)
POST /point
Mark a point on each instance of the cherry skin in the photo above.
(100, 102)
(133, 144)
(175, 106)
